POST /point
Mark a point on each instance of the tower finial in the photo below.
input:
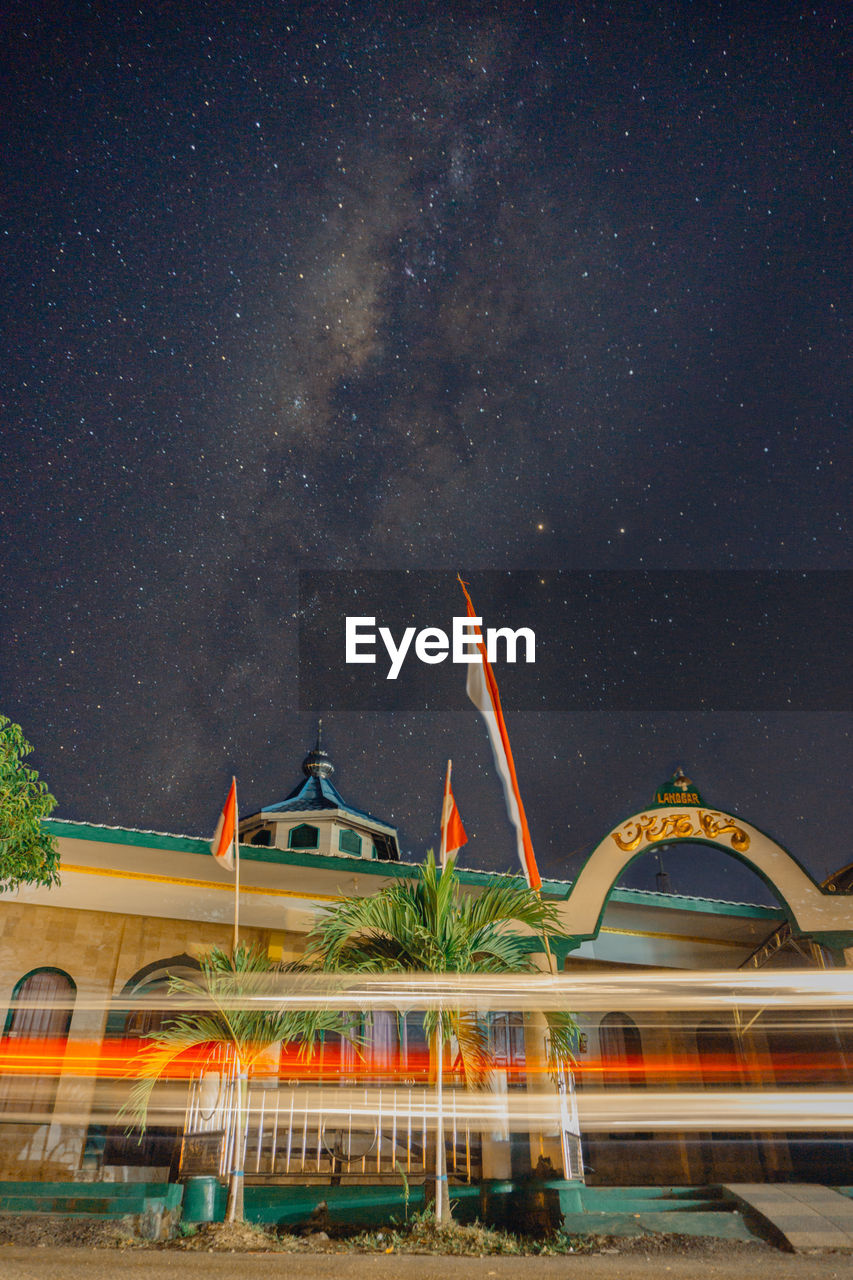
(317, 763)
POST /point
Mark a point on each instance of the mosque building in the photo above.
(136, 906)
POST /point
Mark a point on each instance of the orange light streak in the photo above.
(122, 1059)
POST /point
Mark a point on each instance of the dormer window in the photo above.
(349, 841)
(303, 837)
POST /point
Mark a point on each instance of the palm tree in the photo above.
(429, 925)
(212, 1016)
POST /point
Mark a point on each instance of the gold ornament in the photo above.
(649, 828)
(654, 827)
(714, 829)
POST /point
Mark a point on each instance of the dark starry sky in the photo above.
(440, 286)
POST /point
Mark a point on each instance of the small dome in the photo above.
(317, 764)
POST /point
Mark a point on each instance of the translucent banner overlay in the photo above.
(604, 641)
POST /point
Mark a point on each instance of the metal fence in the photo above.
(296, 1131)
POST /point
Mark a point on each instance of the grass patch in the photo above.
(423, 1234)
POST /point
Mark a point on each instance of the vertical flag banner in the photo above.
(452, 831)
(225, 836)
(482, 689)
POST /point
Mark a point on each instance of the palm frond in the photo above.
(427, 925)
(155, 1061)
(563, 1033)
(235, 1007)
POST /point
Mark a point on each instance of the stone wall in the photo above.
(102, 952)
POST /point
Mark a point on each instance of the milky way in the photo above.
(460, 287)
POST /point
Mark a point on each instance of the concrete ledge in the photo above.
(148, 1208)
(721, 1225)
(101, 1199)
(804, 1215)
(823, 1218)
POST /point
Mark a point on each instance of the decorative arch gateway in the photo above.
(678, 812)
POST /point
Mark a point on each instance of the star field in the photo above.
(441, 286)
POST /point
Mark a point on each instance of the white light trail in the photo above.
(616, 1110)
(664, 990)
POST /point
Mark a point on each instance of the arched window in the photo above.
(339, 1058)
(140, 1023)
(150, 981)
(506, 1035)
(621, 1052)
(303, 837)
(349, 841)
(414, 1045)
(42, 1005)
(159, 1147)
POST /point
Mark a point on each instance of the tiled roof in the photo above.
(314, 794)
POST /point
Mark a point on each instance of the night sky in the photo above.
(430, 286)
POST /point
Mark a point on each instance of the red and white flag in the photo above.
(452, 831)
(225, 836)
(482, 689)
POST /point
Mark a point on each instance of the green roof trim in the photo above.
(197, 844)
(714, 906)
(834, 939)
(125, 835)
(558, 889)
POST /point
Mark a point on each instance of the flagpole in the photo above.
(440, 1157)
(500, 739)
(236, 868)
(442, 857)
(441, 1188)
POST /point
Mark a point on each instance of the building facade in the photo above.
(135, 907)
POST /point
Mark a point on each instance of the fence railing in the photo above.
(296, 1131)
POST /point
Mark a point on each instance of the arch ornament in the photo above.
(679, 814)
